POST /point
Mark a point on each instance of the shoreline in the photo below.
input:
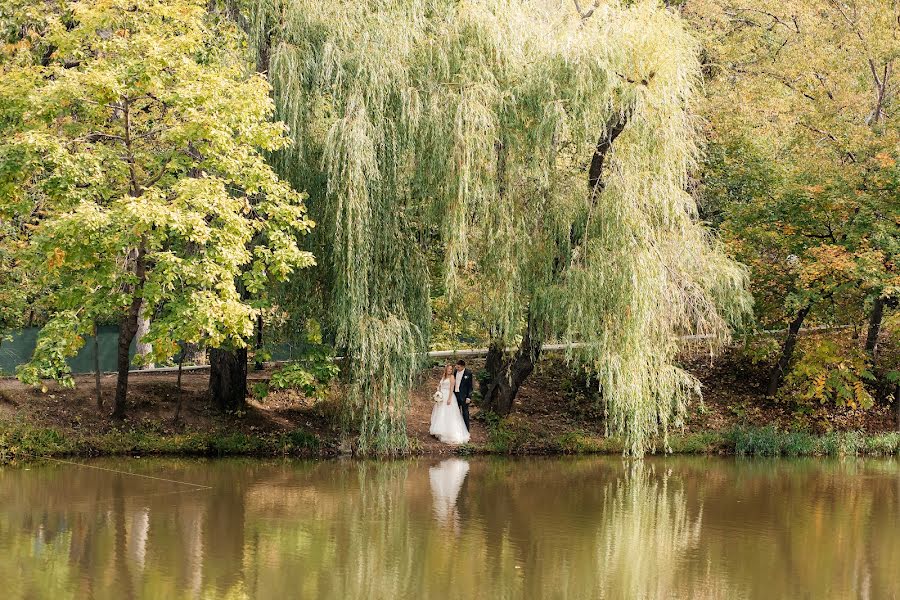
(22, 443)
(555, 414)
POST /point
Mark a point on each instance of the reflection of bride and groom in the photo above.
(446, 482)
(450, 415)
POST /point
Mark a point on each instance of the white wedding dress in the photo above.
(446, 419)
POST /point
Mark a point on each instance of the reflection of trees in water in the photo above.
(586, 529)
(807, 528)
(646, 535)
(118, 537)
(583, 528)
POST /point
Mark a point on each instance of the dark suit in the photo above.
(464, 393)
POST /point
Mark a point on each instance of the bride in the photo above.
(446, 419)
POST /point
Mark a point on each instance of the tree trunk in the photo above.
(257, 354)
(874, 325)
(184, 348)
(499, 389)
(143, 349)
(98, 387)
(787, 352)
(127, 330)
(897, 403)
(228, 378)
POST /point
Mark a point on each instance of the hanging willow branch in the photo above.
(475, 125)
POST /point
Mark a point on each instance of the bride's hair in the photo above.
(448, 371)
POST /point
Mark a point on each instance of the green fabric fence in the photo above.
(16, 348)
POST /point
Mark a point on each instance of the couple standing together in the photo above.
(450, 415)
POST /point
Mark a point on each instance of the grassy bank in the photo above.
(741, 441)
(20, 441)
(23, 441)
(555, 413)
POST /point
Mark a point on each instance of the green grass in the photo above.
(505, 438)
(21, 441)
(579, 442)
(507, 435)
(768, 441)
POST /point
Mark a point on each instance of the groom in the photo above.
(463, 389)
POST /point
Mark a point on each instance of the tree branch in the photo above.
(586, 14)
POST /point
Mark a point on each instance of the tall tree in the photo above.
(545, 148)
(810, 86)
(139, 167)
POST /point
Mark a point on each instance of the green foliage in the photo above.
(829, 372)
(234, 443)
(756, 442)
(466, 129)
(760, 350)
(506, 435)
(135, 173)
(458, 320)
(293, 376)
(23, 441)
(260, 390)
(19, 440)
(769, 442)
(300, 439)
(577, 442)
(703, 442)
(883, 444)
(803, 167)
(311, 374)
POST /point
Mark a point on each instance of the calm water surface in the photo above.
(480, 528)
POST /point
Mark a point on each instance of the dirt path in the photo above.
(419, 418)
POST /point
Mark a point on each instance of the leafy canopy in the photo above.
(472, 125)
(803, 107)
(135, 169)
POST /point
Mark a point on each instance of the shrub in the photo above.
(829, 372)
(578, 442)
(760, 350)
(311, 375)
(505, 435)
(798, 443)
(234, 443)
(756, 442)
(299, 439)
(695, 443)
(883, 444)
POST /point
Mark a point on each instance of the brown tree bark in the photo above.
(143, 348)
(506, 374)
(875, 318)
(257, 355)
(127, 329)
(184, 349)
(787, 352)
(228, 378)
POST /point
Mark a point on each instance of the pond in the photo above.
(595, 527)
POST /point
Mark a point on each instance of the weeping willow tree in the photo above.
(542, 147)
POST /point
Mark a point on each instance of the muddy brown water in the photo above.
(457, 528)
